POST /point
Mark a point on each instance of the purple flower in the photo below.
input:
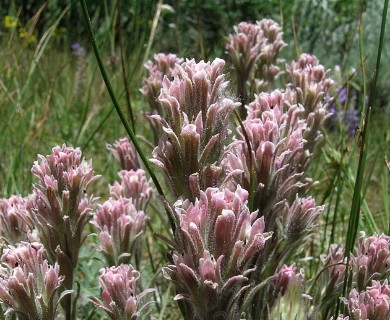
(121, 299)
(163, 65)
(342, 92)
(133, 185)
(371, 304)
(29, 286)
(350, 119)
(372, 261)
(120, 225)
(309, 88)
(78, 50)
(217, 241)
(124, 152)
(342, 114)
(75, 46)
(195, 127)
(13, 226)
(60, 207)
(253, 50)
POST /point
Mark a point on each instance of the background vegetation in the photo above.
(49, 95)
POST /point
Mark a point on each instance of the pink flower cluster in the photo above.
(372, 261)
(60, 208)
(279, 162)
(133, 185)
(284, 277)
(13, 226)
(29, 286)
(253, 50)
(309, 87)
(217, 241)
(369, 266)
(120, 225)
(195, 126)
(121, 299)
(121, 220)
(163, 65)
(370, 304)
(124, 152)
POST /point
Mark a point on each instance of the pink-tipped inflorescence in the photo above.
(372, 261)
(124, 152)
(217, 240)
(163, 65)
(13, 226)
(253, 50)
(60, 207)
(334, 271)
(300, 218)
(133, 185)
(368, 266)
(310, 83)
(120, 225)
(274, 170)
(330, 281)
(195, 126)
(120, 295)
(284, 276)
(29, 286)
(309, 88)
(370, 304)
(277, 153)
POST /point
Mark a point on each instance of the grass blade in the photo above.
(121, 114)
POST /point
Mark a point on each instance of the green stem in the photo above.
(251, 162)
(357, 197)
(118, 109)
(124, 74)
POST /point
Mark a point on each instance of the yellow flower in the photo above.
(29, 38)
(10, 22)
(22, 33)
(59, 33)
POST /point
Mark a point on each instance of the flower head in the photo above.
(371, 304)
(253, 50)
(120, 225)
(195, 126)
(133, 185)
(163, 65)
(285, 275)
(277, 152)
(13, 226)
(125, 153)
(372, 261)
(217, 242)
(121, 299)
(335, 268)
(60, 207)
(29, 285)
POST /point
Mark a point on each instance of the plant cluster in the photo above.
(235, 158)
